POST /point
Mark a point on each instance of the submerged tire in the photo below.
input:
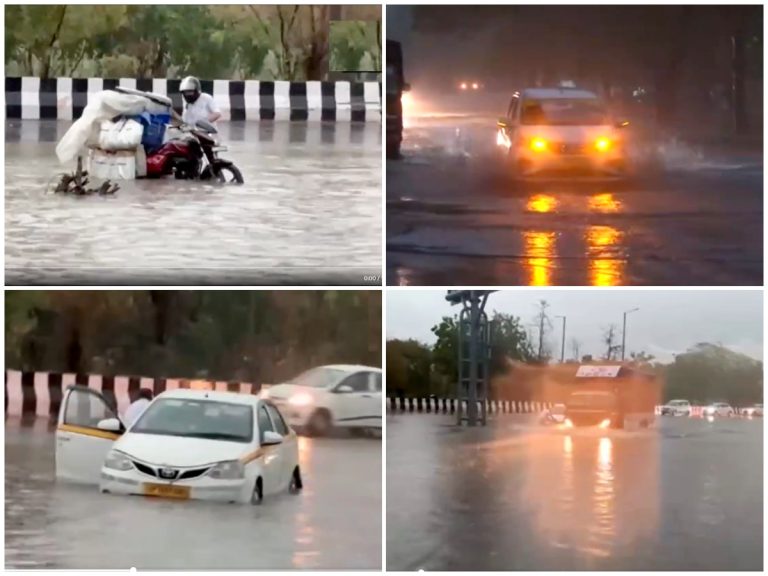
(320, 423)
(257, 497)
(234, 171)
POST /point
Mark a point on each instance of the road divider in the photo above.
(40, 393)
(31, 98)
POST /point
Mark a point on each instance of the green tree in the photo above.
(409, 368)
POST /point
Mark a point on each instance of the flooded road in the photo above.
(335, 523)
(309, 212)
(517, 496)
(684, 217)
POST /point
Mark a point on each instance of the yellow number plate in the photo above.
(167, 491)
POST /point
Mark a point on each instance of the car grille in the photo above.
(187, 474)
(563, 148)
(143, 468)
(183, 475)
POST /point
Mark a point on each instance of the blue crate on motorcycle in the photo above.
(154, 129)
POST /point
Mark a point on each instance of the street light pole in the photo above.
(624, 332)
(562, 346)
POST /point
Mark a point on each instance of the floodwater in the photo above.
(684, 216)
(334, 523)
(519, 496)
(308, 213)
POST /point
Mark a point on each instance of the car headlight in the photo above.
(264, 393)
(301, 399)
(117, 461)
(568, 423)
(230, 470)
(603, 144)
(538, 144)
(605, 423)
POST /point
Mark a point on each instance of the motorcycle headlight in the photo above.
(302, 399)
(117, 461)
(230, 470)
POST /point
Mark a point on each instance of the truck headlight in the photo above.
(229, 470)
(117, 461)
(605, 423)
(301, 399)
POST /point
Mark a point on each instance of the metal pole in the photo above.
(624, 337)
(474, 315)
(562, 345)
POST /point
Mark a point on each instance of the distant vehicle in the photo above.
(553, 129)
(611, 397)
(395, 86)
(719, 409)
(470, 86)
(553, 415)
(754, 411)
(677, 408)
(340, 395)
(187, 444)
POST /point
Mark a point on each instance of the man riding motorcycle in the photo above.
(199, 106)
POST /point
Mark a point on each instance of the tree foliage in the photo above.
(218, 41)
(258, 336)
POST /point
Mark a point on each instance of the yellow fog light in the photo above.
(538, 145)
(602, 144)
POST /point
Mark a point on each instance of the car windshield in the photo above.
(193, 418)
(564, 112)
(592, 400)
(319, 377)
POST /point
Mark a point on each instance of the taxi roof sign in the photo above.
(598, 371)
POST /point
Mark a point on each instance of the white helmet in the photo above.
(190, 89)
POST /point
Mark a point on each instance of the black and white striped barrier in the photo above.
(432, 405)
(29, 98)
(40, 393)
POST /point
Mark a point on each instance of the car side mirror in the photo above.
(344, 389)
(271, 438)
(406, 87)
(110, 425)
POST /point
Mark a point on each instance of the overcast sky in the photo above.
(667, 322)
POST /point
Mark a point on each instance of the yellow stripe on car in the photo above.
(88, 431)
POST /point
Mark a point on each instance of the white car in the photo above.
(718, 409)
(754, 411)
(550, 129)
(677, 408)
(187, 444)
(338, 395)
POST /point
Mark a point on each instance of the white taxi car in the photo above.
(187, 444)
(551, 129)
(339, 395)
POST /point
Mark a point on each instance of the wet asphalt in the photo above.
(519, 496)
(684, 216)
(308, 213)
(334, 523)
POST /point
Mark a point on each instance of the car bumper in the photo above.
(529, 163)
(134, 483)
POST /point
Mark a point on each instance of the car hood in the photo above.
(179, 451)
(569, 134)
(285, 391)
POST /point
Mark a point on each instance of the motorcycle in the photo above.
(193, 156)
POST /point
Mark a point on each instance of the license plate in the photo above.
(167, 491)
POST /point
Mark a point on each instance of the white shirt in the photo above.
(134, 411)
(200, 109)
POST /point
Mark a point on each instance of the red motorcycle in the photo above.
(193, 156)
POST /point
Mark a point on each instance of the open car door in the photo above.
(87, 428)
